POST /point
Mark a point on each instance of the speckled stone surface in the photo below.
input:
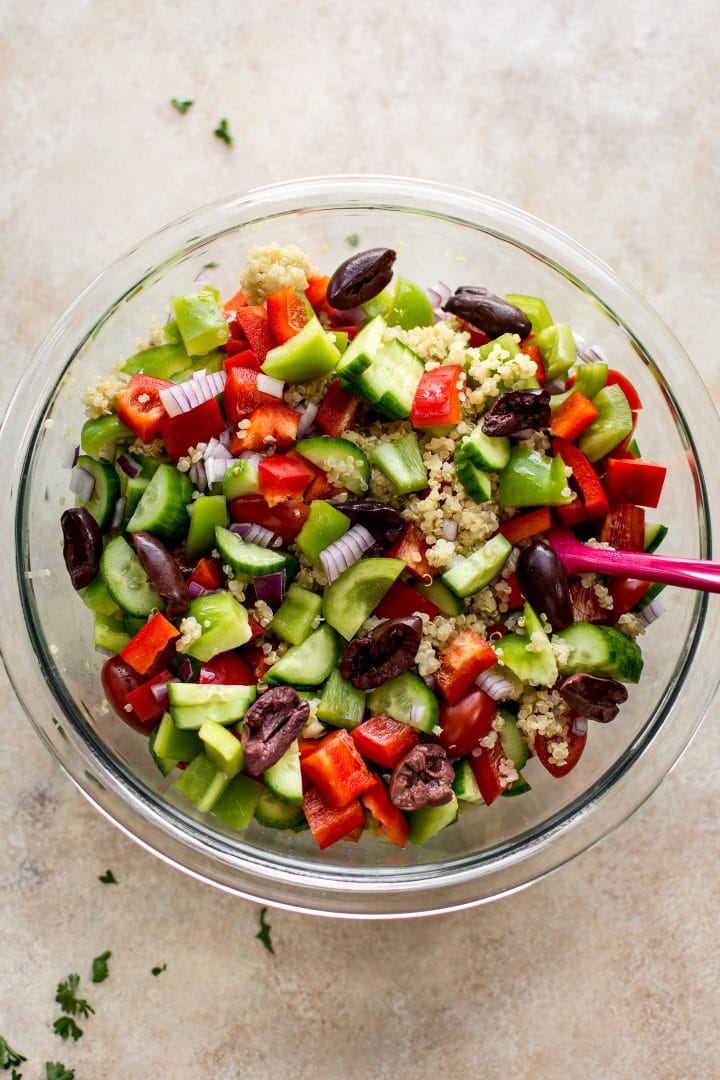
(603, 120)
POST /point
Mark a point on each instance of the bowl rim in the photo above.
(450, 877)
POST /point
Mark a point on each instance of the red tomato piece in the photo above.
(466, 723)
(575, 745)
(437, 398)
(287, 314)
(140, 408)
(384, 740)
(145, 704)
(412, 549)
(270, 425)
(527, 525)
(461, 661)
(328, 824)
(514, 598)
(634, 481)
(392, 824)
(285, 519)
(402, 600)
(253, 322)
(149, 644)
(337, 410)
(616, 378)
(119, 680)
(207, 574)
(626, 593)
(624, 527)
(337, 770)
(282, 479)
(226, 669)
(487, 769)
(188, 429)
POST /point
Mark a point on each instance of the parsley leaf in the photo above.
(68, 1000)
(210, 265)
(65, 1027)
(15, 1075)
(181, 106)
(159, 970)
(108, 878)
(353, 239)
(54, 1070)
(222, 131)
(8, 1056)
(263, 933)
(100, 968)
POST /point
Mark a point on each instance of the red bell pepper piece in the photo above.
(575, 414)
(592, 501)
(241, 357)
(514, 599)
(319, 487)
(242, 396)
(437, 398)
(634, 481)
(616, 378)
(188, 429)
(207, 574)
(316, 291)
(270, 425)
(144, 702)
(534, 353)
(412, 548)
(466, 723)
(477, 337)
(285, 519)
(256, 629)
(527, 525)
(626, 593)
(624, 527)
(254, 657)
(149, 644)
(337, 410)
(281, 479)
(328, 824)
(487, 769)
(575, 745)
(337, 770)
(287, 314)
(392, 824)
(253, 322)
(239, 300)
(461, 661)
(384, 740)
(402, 600)
(226, 669)
(140, 408)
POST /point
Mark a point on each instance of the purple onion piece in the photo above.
(186, 669)
(160, 692)
(70, 457)
(129, 466)
(307, 419)
(270, 588)
(344, 552)
(195, 589)
(82, 483)
(254, 534)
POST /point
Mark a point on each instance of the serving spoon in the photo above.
(579, 558)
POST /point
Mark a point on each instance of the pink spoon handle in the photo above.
(579, 558)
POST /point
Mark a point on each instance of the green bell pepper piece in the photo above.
(323, 527)
(340, 703)
(590, 380)
(535, 309)
(613, 424)
(209, 511)
(411, 306)
(293, 621)
(161, 362)
(557, 348)
(101, 432)
(307, 355)
(200, 321)
(531, 478)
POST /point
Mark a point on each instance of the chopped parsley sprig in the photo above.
(68, 999)
(181, 106)
(55, 1070)
(8, 1056)
(66, 1028)
(222, 131)
(263, 933)
(100, 967)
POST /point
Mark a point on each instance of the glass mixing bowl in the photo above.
(46, 633)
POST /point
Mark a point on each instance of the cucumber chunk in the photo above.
(535, 665)
(518, 787)
(162, 507)
(170, 742)
(307, 355)
(327, 452)
(391, 381)
(247, 558)
(465, 785)
(238, 802)
(241, 479)
(106, 491)
(97, 598)
(284, 778)
(408, 700)
(654, 536)
(514, 744)
(441, 597)
(202, 782)
(600, 650)
(164, 764)
(361, 351)
(487, 452)
(340, 703)
(222, 747)
(476, 571)
(357, 592)
(275, 813)
(134, 490)
(208, 512)
(126, 581)
(191, 704)
(224, 624)
(293, 621)
(308, 664)
(401, 462)
(429, 821)
(475, 481)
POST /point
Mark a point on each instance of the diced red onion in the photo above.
(129, 466)
(579, 725)
(215, 469)
(70, 457)
(160, 692)
(197, 475)
(253, 533)
(307, 419)
(439, 293)
(184, 397)
(267, 385)
(649, 614)
(82, 483)
(270, 588)
(344, 552)
(450, 530)
(118, 513)
(186, 669)
(195, 589)
(495, 685)
(592, 354)
(216, 449)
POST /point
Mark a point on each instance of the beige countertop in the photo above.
(603, 121)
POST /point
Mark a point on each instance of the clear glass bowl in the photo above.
(46, 633)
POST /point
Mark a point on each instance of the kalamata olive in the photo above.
(517, 410)
(382, 521)
(360, 277)
(82, 545)
(589, 695)
(271, 725)
(488, 312)
(422, 778)
(383, 654)
(163, 571)
(544, 584)
(118, 679)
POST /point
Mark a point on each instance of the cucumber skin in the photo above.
(426, 823)
(341, 606)
(132, 601)
(406, 686)
(308, 664)
(247, 558)
(100, 504)
(616, 656)
(168, 520)
(284, 778)
(321, 450)
(273, 813)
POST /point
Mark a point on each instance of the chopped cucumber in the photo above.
(655, 589)
(362, 350)
(162, 507)
(408, 700)
(238, 802)
(109, 633)
(222, 747)
(425, 823)
(200, 322)
(324, 525)
(401, 462)
(170, 742)
(202, 782)
(465, 785)
(247, 558)
(307, 355)
(340, 703)
(224, 625)
(209, 511)
(472, 574)
(514, 744)
(600, 650)
(102, 431)
(613, 424)
(357, 592)
(106, 491)
(487, 452)
(529, 656)
(241, 479)
(476, 482)
(226, 707)
(275, 813)
(518, 787)
(308, 664)
(164, 764)
(126, 581)
(441, 596)
(97, 598)
(654, 536)
(534, 308)
(284, 778)
(391, 381)
(134, 490)
(327, 452)
(293, 621)
(133, 623)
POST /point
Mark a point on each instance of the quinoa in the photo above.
(100, 398)
(271, 267)
(190, 631)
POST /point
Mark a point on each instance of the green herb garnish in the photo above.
(68, 1000)
(222, 131)
(54, 1070)
(353, 239)
(210, 265)
(8, 1056)
(100, 968)
(159, 970)
(181, 106)
(108, 878)
(263, 933)
(66, 1027)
